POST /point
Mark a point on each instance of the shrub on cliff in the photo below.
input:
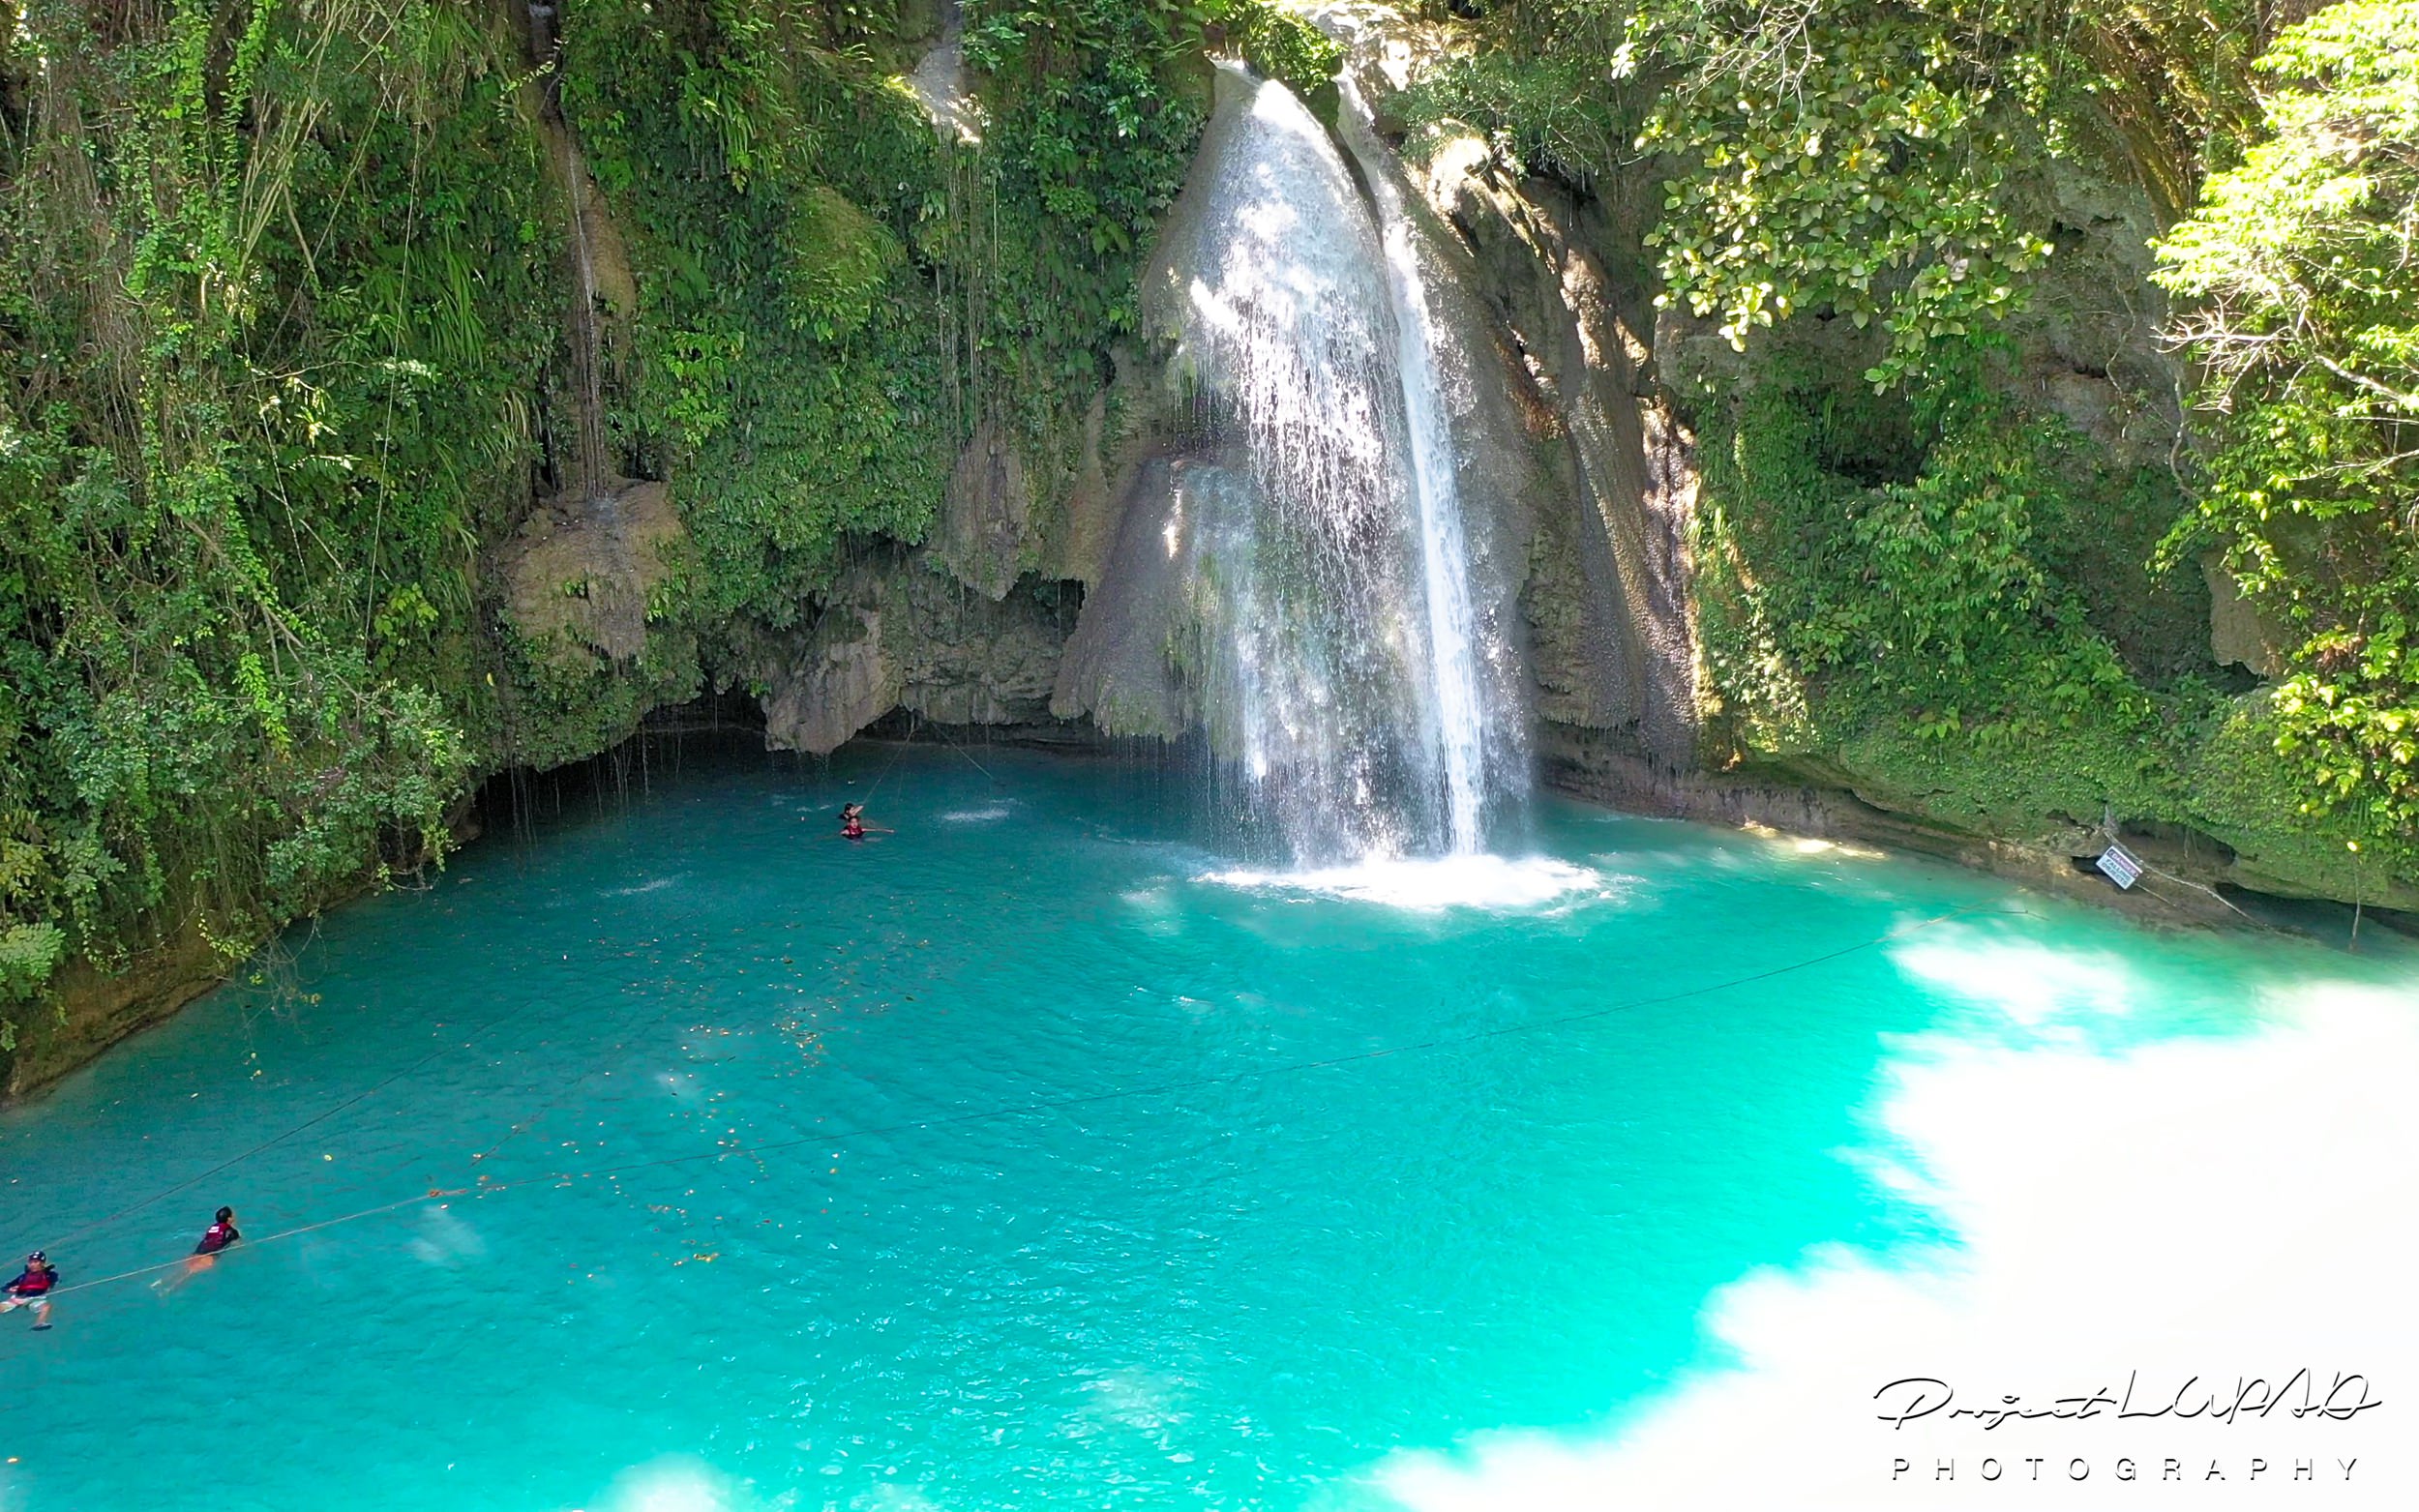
(2300, 270)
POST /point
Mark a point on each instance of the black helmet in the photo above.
(37, 1257)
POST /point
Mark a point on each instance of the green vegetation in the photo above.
(2299, 266)
(286, 309)
(1847, 158)
(1930, 589)
(296, 340)
(1956, 603)
(1096, 107)
(770, 187)
(268, 361)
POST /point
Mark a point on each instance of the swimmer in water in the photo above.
(32, 1288)
(220, 1233)
(852, 825)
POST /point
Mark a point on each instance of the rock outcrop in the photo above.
(908, 635)
(985, 514)
(1073, 591)
(579, 573)
(1607, 593)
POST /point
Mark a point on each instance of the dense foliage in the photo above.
(1933, 589)
(293, 333)
(787, 369)
(268, 357)
(1956, 601)
(2302, 271)
(1842, 157)
(301, 316)
(1096, 105)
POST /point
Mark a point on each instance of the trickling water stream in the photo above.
(592, 478)
(586, 355)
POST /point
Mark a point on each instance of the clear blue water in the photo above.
(1242, 1293)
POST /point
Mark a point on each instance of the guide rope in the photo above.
(304, 1127)
(887, 766)
(962, 750)
(366, 1093)
(484, 1188)
(251, 1244)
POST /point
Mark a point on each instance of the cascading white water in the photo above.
(1337, 652)
(1444, 551)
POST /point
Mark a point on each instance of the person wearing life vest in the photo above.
(220, 1234)
(32, 1288)
(218, 1237)
(853, 822)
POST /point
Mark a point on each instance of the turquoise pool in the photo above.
(1032, 1156)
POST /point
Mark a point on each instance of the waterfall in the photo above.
(1444, 552)
(1334, 641)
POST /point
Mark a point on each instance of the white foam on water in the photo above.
(1147, 1402)
(675, 1483)
(445, 1239)
(989, 814)
(2228, 1207)
(1432, 884)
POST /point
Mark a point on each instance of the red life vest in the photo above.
(34, 1283)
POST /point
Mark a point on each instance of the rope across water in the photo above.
(486, 1189)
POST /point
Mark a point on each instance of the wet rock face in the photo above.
(963, 659)
(577, 575)
(1116, 666)
(1613, 485)
(834, 685)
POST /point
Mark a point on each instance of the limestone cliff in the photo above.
(1061, 588)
